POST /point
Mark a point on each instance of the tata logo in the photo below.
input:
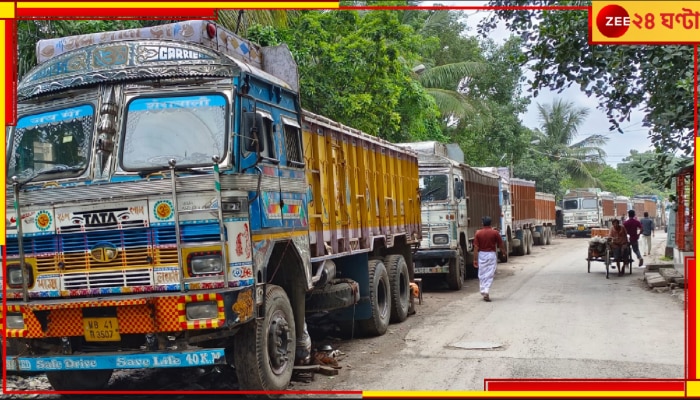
(102, 217)
(104, 252)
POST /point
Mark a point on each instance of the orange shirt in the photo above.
(487, 239)
(619, 236)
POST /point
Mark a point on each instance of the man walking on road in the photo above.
(647, 232)
(634, 228)
(486, 242)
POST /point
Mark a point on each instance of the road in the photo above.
(548, 318)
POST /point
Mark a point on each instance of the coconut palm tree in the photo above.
(239, 21)
(560, 123)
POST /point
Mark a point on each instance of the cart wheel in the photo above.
(607, 263)
(589, 265)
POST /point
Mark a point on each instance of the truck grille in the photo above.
(136, 248)
(136, 277)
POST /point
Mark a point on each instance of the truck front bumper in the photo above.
(442, 255)
(434, 254)
(122, 360)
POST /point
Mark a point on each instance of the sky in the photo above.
(618, 145)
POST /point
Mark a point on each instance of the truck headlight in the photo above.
(205, 263)
(14, 321)
(441, 239)
(14, 276)
(202, 310)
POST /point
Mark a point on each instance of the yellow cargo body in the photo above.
(363, 190)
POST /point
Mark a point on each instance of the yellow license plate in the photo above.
(101, 329)
(581, 227)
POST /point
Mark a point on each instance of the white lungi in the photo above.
(487, 270)
(647, 243)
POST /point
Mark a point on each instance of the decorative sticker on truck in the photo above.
(102, 216)
(34, 223)
(190, 358)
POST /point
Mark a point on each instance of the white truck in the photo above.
(585, 209)
(454, 197)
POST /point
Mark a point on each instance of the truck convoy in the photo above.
(172, 205)
(525, 213)
(454, 197)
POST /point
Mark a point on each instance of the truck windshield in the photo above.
(433, 187)
(570, 204)
(57, 142)
(189, 129)
(589, 204)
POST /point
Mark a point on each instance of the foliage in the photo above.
(352, 69)
(637, 165)
(656, 79)
(560, 122)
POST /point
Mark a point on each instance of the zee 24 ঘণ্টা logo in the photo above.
(655, 21)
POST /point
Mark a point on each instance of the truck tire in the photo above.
(380, 301)
(504, 257)
(455, 277)
(519, 250)
(528, 242)
(400, 286)
(538, 240)
(79, 380)
(548, 236)
(264, 349)
(338, 293)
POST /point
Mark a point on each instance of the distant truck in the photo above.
(524, 217)
(454, 197)
(621, 206)
(654, 205)
(583, 210)
(545, 218)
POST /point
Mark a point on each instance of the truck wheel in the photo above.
(528, 242)
(338, 293)
(264, 349)
(538, 240)
(399, 284)
(380, 301)
(519, 248)
(79, 380)
(548, 236)
(455, 277)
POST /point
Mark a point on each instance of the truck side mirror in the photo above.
(252, 136)
(459, 189)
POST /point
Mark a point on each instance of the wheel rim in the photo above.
(382, 300)
(279, 341)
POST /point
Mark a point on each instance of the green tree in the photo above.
(656, 79)
(559, 127)
(353, 69)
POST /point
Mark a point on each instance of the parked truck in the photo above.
(545, 218)
(607, 200)
(454, 197)
(652, 204)
(621, 207)
(525, 214)
(171, 205)
(583, 210)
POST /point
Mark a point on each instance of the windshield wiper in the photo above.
(430, 192)
(144, 173)
(52, 171)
